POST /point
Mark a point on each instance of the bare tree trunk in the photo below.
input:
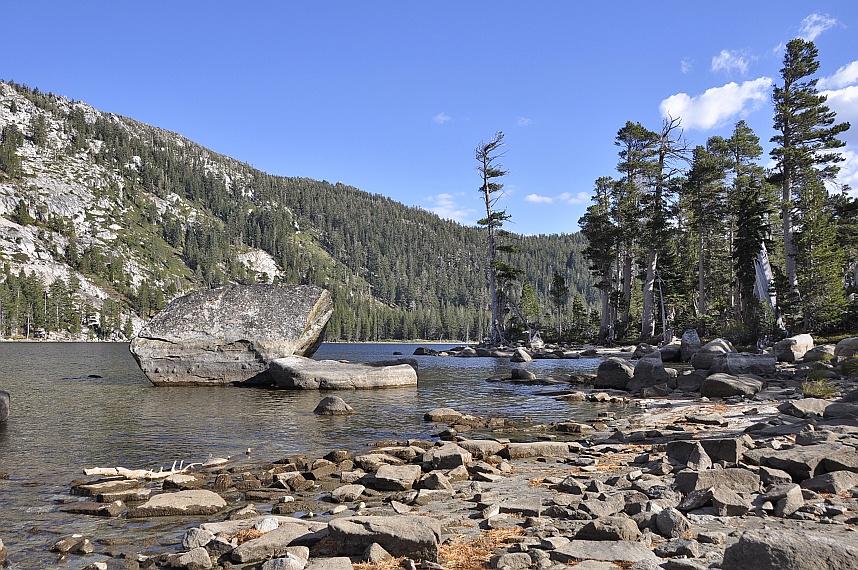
(647, 320)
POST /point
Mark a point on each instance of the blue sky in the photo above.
(393, 97)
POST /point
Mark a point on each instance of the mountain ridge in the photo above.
(128, 215)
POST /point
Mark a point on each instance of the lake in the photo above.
(77, 405)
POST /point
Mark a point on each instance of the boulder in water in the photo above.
(5, 400)
(299, 373)
(227, 335)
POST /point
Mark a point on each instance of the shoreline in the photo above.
(607, 491)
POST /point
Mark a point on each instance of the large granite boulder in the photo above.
(413, 536)
(231, 334)
(722, 385)
(793, 348)
(614, 373)
(738, 363)
(702, 359)
(299, 373)
(689, 344)
(771, 549)
(649, 371)
(847, 348)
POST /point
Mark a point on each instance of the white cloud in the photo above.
(846, 75)
(844, 102)
(442, 118)
(728, 61)
(849, 171)
(523, 122)
(717, 105)
(537, 199)
(447, 207)
(814, 25)
(686, 65)
(579, 198)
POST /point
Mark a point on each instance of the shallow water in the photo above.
(77, 405)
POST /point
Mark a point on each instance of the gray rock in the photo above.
(771, 476)
(728, 503)
(5, 403)
(481, 448)
(288, 562)
(643, 349)
(610, 528)
(447, 456)
(436, 481)
(535, 449)
(846, 348)
(335, 563)
(196, 537)
(522, 374)
(804, 407)
(512, 561)
(703, 358)
(793, 348)
(734, 479)
(300, 373)
(820, 353)
(674, 547)
(520, 355)
(671, 523)
(787, 499)
(375, 553)
(649, 371)
(793, 550)
(721, 385)
(333, 406)
(835, 483)
(689, 344)
(196, 559)
(685, 452)
(404, 535)
(614, 373)
(739, 363)
(182, 503)
(347, 493)
(604, 550)
(801, 462)
(671, 352)
(273, 544)
(724, 449)
(396, 477)
(445, 415)
(231, 334)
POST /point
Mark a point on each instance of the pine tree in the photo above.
(807, 138)
(602, 235)
(819, 259)
(559, 294)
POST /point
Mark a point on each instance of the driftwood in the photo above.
(140, 473)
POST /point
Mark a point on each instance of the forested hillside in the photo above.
(105, 219)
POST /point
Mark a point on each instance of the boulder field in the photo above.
(764, 479)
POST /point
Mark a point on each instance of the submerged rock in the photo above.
(5, 400)
(226, 335)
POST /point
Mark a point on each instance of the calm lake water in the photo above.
(77, 405)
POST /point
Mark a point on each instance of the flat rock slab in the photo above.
(191, 502)
(722, 385)
(226, 335)
(603, 550)
(299, 373)
(777, 550)
(405, 535)
(535, 449)
(113, 509)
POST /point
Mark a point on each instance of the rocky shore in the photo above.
(755, 475)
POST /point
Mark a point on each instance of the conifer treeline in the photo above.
(683, 237)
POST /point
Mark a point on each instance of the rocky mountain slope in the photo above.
(103, 219)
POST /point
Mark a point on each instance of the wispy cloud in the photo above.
(447, 206)
(814, 25)
(579, 198)
(717, 105)
(844, 102)
(537, 199)
(442, 118)
(523, 122)
(729, 61)
(563, 198)
(686, 65)
(849, 171)
(846, 75)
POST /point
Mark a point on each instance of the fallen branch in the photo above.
(140, 473)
